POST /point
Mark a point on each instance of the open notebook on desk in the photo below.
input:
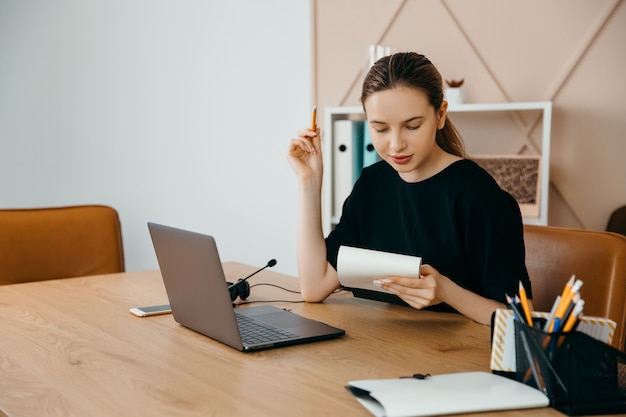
(456, 393)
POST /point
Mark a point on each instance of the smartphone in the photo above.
(151, 310)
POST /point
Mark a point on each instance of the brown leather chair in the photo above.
(597, 258)
(617, 221)
(59, 242)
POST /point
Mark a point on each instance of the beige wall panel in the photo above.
(344, 29)
(495, 133)
(589, 135)
(528, 44)
(567, 51)
(426, 26)
(560, 213)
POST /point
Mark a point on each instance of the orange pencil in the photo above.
(557, 303)
(574, 316)
(568, 286)
(525, 305)
(562, 308)
(314, 119)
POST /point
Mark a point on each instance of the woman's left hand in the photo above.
(418, 293)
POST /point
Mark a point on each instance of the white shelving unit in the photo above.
(332, 114)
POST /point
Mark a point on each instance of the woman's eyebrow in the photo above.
(412, 119)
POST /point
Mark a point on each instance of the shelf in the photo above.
(355, 113)
(528, 105)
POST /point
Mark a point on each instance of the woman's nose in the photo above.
(396, 142)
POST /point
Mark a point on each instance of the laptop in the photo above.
(199, 298)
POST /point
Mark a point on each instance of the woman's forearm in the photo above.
(468, 303)
(317, 278)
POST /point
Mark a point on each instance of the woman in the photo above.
(423, 199)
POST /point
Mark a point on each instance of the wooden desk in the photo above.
(71, 348)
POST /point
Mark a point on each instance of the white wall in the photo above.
(177, 112)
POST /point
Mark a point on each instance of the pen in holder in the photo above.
(579, 374)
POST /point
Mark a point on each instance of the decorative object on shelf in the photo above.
(454, 92)
(374, 53)
(519, 175)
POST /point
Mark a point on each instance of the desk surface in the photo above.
(71, 348)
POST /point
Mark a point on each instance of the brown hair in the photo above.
(409, 69)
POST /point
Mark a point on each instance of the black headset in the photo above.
(241, 288)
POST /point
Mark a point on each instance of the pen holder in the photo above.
(579, 374)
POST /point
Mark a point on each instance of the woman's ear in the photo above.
(442, 114)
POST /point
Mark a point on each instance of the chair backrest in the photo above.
(617, 221)
(598, 258)
(59, 242)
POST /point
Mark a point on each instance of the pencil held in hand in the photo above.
(314, 119)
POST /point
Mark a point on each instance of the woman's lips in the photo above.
(401, 159)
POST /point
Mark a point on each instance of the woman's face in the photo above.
(403, 126)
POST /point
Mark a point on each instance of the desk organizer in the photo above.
(579, 374)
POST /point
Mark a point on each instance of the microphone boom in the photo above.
(241, 288)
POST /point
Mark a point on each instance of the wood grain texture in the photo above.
(71, 348)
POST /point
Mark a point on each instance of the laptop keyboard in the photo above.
(253, 332)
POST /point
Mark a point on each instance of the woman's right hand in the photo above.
(305, 155)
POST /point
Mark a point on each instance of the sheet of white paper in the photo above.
(358, 268)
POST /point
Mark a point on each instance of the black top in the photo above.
(459, 221)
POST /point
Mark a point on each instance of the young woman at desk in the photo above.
(423, 199)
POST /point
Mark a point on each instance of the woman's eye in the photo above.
(413, 127)
(382, 130)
